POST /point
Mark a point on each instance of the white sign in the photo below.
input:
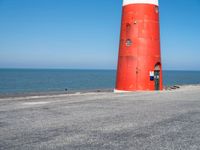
(151, 73)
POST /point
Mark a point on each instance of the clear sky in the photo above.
(84, 34)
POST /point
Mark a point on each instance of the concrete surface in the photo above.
(168, 120)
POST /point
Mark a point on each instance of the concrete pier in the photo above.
(145, 120)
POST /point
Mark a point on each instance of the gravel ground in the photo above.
(142, 121)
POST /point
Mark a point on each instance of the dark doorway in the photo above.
(157, 76)
(157, 80)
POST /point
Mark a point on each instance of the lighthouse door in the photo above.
(157, 76)
(157, 80)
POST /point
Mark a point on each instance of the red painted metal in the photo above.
(139, 50)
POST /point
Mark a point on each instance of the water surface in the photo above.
(13, 81)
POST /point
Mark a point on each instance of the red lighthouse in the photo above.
(139, 62)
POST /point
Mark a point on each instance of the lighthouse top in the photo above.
(127, 2)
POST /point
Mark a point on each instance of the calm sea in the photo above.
(22, 81)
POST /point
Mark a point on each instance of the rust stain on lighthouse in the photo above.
(139, 61)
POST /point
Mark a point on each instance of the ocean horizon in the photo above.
(26, 80)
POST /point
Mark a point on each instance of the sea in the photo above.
(24, 81)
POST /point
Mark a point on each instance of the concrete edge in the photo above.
(121, 91)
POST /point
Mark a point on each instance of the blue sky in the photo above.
(84, 34)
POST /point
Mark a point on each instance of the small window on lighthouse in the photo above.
(128, 42)
(128, 27)
(156, 9)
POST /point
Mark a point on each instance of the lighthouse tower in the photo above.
(139, 62)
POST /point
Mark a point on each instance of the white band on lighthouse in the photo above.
(127, 2)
